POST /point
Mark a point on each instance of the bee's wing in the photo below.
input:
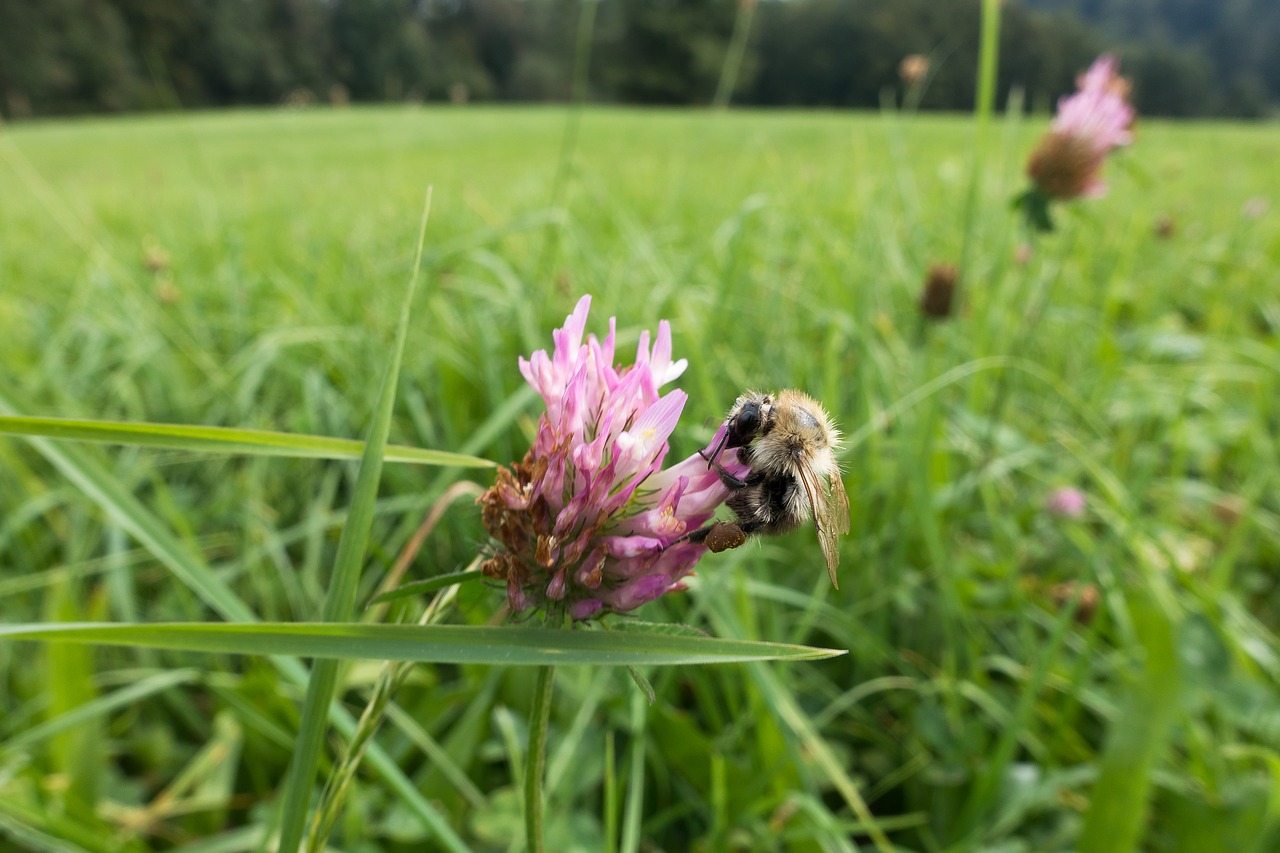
(830, 513)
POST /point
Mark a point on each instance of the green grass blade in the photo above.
(101, 706)
(828, 761)
(784, 706)
(633, 811)
(427, 586)
(437, 756)
(983, 797)
(455, 644)
(231, 841)
(733, 56)
(36, 830)
(341, 599)
(535, 765)
(211, 439)
(74, 755)
(1117, 810)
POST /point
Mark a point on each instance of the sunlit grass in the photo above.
(244, 270)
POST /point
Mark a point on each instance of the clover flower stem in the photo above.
(733, 57)
(610, 795)
(1037, 302)
(536, 761)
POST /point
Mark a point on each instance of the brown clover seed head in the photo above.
(155, 259)
(913, 69)
(1229, 509)
(1088, 599)
(939, 291)
(1064, 165)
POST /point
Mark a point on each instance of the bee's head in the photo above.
(748, 418)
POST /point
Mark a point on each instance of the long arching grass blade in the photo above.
(225, 440)
(456, 644)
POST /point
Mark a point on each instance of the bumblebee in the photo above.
(788, 442)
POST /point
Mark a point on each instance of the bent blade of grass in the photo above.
(454, 644)
(785, 708)
(101, 706)
(983, 798)
(882, 419)
(42, 831)
(1118, 804)
(340, 601)
(225, 440)
(816, 746)
(438, 757)
(122, 508)
(424, 587)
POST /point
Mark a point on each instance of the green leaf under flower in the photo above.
(1034, 206)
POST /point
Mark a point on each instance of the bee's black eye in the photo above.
(745, 425)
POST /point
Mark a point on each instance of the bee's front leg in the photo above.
(729, 480)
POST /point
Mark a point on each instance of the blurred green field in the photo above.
(245, 269)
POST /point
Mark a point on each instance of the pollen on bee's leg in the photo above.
(724, 536)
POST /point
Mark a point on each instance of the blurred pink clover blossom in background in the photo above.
(588, 522)
(1065, 502)
(1089, 125)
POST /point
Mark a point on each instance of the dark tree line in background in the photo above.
(1219, 56)
(1185, 57)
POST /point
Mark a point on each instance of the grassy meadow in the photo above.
(1016, 679)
